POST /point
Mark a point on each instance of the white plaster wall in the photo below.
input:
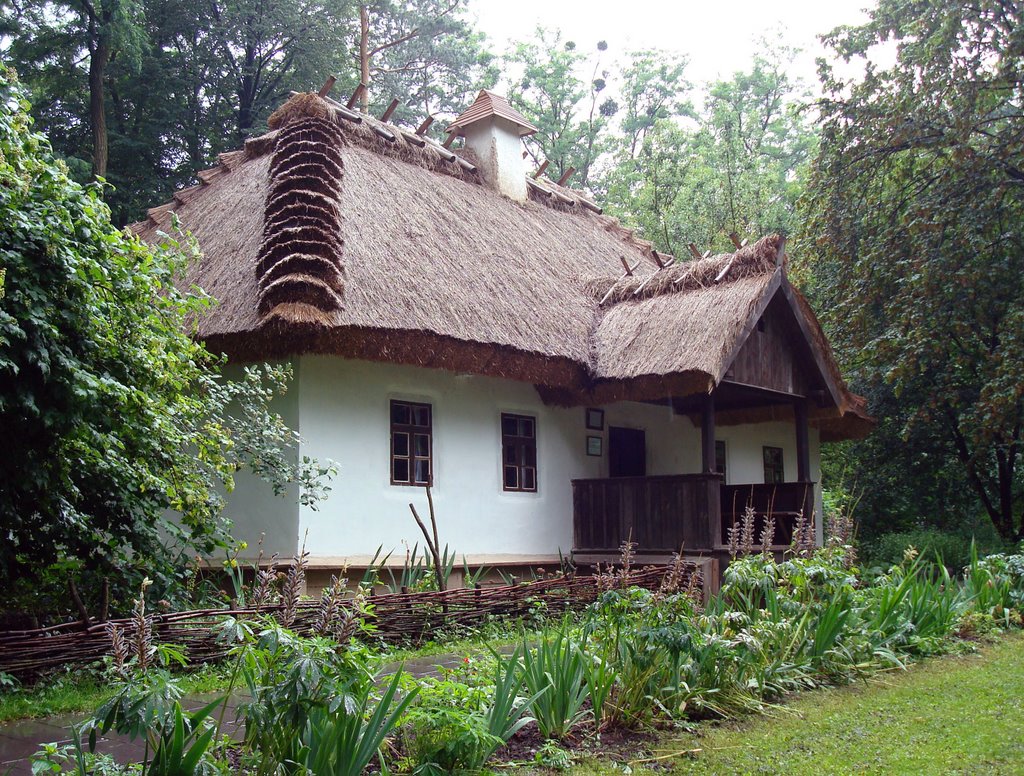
(252, 507)
(344, 410)
(345, 416)
(499, 150)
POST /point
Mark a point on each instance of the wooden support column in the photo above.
(707, 434)
(803, 446)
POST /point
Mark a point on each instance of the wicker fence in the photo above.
(406, 617)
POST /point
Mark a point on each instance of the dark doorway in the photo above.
(627, 452)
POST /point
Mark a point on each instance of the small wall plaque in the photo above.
(594, 445)
(595, 419)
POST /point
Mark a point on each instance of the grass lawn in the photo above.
(945, 715)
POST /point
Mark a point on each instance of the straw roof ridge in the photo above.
(306, 173)
(388, 140)
(760, 258)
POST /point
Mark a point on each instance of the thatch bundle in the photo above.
(302, 106)
(757, 260)
(299, 266)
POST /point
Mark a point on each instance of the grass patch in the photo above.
(86, 688)
(945, 715)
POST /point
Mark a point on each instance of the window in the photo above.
(518, 453)
(773, 469)
(720, 458)
(411, 444)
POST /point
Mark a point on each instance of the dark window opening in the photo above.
(774, 471)
(720, 458)
(411, 444)
(627, 452)
(518, 453)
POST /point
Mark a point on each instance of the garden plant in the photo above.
(633, 660)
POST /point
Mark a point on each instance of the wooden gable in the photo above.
(779, 355)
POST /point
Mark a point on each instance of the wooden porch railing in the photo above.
(784, 501)
(661, 514)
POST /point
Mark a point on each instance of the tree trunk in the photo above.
(247, 94)
(364, 56)
(99, 56)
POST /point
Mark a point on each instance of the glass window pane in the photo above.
(399, 413)
(401, 443)
(400, 469)
(510, 456)
(422, 471)
(508, 425)
(526, 427)
(423, 445)
(529, 479)
(511, 477)
(530, 455)
(421, 415)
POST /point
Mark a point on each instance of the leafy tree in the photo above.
(570, 114)
(917, 207)
(423, 53)
(653, 90)
(112, 415)
(734, 166)
(61, 34)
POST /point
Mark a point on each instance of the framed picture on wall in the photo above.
(595, 445)
(595, 419)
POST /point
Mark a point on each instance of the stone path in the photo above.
(20, 739)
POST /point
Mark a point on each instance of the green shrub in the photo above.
(955, 549)
(554, 675)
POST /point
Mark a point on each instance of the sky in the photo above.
(719, 38)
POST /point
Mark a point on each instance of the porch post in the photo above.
(707, 434)
(803, 447)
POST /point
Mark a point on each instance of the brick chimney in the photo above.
(494, 130)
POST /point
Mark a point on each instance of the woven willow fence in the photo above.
(398, 618)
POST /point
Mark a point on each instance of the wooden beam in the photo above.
(390, 111)
(735, 240)
(541, 169)
(328, 85)
(625, 265)
(695, 251)
(566, 175)
(707, 434)
(355, 96)
(448, 143)
(422, 128)
(803, 446)
(340, 109)
(781, 254)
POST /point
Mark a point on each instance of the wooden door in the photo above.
(627, 452)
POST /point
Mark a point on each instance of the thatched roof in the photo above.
(336, 233)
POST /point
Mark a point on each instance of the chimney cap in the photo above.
(486, 105)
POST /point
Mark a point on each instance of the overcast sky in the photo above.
(718, 37)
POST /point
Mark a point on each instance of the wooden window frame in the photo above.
(411, 430)
(780, 472)
(522, 445)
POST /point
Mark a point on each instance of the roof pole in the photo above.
(803, 448)
(707, 434)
